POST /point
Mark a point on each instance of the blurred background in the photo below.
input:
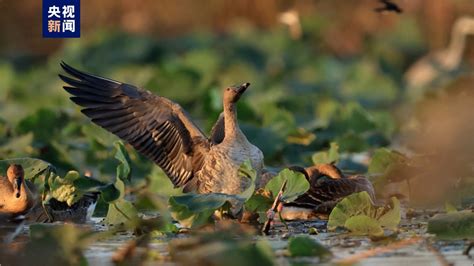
(322, 72)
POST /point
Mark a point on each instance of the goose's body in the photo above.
(15, 197)
(162, 131)
(218, 162)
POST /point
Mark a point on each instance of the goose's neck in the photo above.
(22, 204)
(25, 193)
(231, 126)
(455, 49)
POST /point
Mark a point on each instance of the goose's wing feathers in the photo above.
(155, 126)
(326, 190)
(335, 189)
(218, 130)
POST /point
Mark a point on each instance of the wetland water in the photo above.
(342, 246)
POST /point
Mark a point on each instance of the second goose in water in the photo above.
(328, 185)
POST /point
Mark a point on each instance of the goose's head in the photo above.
(232, 94)
(329, 170)
(314, 172)
(464, 25)
(16, 175)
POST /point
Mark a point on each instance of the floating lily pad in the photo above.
(455, 225)
(121, 213)
(358, 214)
(305, 246)
(363, 225)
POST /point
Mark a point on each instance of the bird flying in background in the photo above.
(388, 6)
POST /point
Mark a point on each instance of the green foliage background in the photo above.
(299, 100)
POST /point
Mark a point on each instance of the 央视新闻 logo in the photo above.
(61, 19)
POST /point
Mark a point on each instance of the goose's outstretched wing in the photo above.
(157, 127)
(218, 130)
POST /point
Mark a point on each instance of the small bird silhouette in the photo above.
(388, 6)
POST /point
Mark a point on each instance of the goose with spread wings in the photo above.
(162, 131)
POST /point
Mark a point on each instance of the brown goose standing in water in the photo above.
(328, 185)
(16, 198)
(162, 131)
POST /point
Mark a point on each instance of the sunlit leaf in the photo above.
(246, 171)
(352, 205)
(358, 214)
(121, 213)
(391, 216)
(123, 169)
(296, 184)
(262, 200)
(258, 202)
(363, 225)
(449, 208)
(63, 189)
